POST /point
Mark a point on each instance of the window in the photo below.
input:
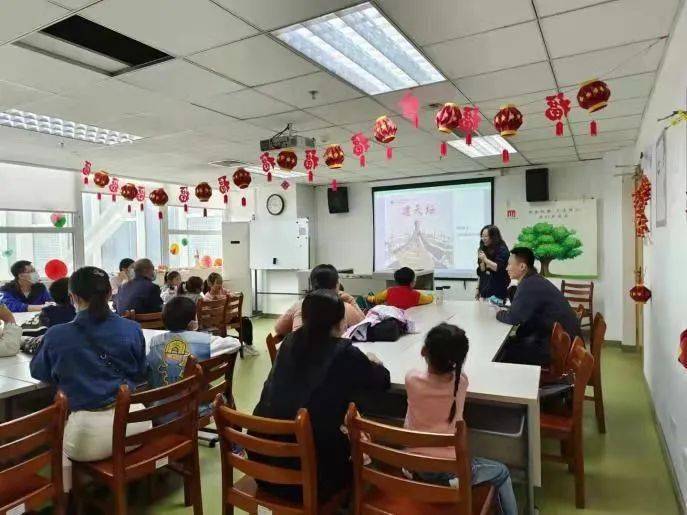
(35, 236)
(194, 238)
(112, 233)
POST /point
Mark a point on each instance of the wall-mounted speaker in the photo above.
(338, 200)
(537, 185)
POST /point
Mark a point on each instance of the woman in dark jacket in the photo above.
(492, 259)
(318, 370)
(25, 292)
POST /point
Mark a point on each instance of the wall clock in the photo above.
(275, 204)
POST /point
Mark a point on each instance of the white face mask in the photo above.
(34, 278)
(130, 274)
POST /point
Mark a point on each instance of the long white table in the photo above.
(488, 380)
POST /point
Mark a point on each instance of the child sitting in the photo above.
(191, 289)
(436, 396)
(403, 295)
(172, 283)
(63, 311)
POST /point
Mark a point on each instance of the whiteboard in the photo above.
(280, 244)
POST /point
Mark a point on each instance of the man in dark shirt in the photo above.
(140, 294)
(537, 305)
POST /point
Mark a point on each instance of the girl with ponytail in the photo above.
(436, 396)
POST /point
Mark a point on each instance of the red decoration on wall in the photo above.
(443, 149)
(242, 179)
(505, 156)
(448, 117)
(224, 187)
(335, 185)
(141, 195)
(86, 171)
(385, 130)
(640, 293)
(114, 188)
(159, 198)
(56, 269)
(334, 156)
(469, 122)
(360, 145)
(593, 96)
(285, 185)
(287, 160)
(311, 162)
(682, 357)
(184, 197)
(267, 164)
(559, 107)
(410, 106)
(101, 179)
(129, 192)
(640, 198)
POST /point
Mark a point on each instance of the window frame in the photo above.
(167, 232)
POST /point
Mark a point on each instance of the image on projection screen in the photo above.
(431, 227)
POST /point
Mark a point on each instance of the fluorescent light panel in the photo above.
(362, 47)
(63, 128)
(483, 146)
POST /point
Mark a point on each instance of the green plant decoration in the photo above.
(550, 242)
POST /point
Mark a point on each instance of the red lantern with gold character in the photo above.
(334, 156)
(159, 198)
(640, 293)
(129, 191)
(507, 121)
(593, 96)
(287, 160)
(448, 118)
(385, 130)
(203, 192)
(101, 179)
(242, 179)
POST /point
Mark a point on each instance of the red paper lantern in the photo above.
(242, 179)
(334, 156)
(56, 269)
(385, 130)
(159, 198)
(593, 96)
(203, 192)
(448, 118)
(101, 179)
(287, 160)
(508, 120)
(640, 293)
(129, 191)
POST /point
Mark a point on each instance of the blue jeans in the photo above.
(483, 471)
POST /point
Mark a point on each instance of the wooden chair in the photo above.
(146, 320)
(27, 446)
(597, 339)
(383, 489)
(245, 494)
(233, 316)
(580, 294)
(217, 379)
(172, 444)
(273, 343)
(211, 315)
(559, 346)
(567, 426)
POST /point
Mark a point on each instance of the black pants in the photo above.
(528, 350)
(247, 331)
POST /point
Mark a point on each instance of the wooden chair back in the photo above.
(581, 365)
(273, 343)
(27, 446)
(560, 349)
(597, 339)
(231, 425)
(146, 320)
(211, 315)
(234, 311)
(217, 379)
(580, 294)
(386, 446)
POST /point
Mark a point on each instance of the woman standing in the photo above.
(492, 259)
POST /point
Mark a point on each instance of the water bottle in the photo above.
(440, 295)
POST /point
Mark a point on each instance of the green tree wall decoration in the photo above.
(549, 243)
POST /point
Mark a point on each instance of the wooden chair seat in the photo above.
(247, 495)
(33, 491)
(552, 425)
(378, 502)
(141, 461)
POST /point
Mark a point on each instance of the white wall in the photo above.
(665, 253)
(38, 189)
(345, 240)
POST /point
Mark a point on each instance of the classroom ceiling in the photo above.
(231, 82)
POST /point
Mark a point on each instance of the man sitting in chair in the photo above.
(140, 294)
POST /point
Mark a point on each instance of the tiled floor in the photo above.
(626, 471)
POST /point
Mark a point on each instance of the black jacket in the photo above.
(140, 294)
(323, 380)
(495, 282)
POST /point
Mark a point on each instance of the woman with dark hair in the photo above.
(318, 370)
(25, 292)
(492, 259)
(88, 359)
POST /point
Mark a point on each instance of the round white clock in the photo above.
(275, 204)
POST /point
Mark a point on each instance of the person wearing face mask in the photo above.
(88, 359)
(126, 273)
(25, 292)
(140, 294)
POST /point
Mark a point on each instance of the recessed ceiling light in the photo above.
(483, 146)
(362, 47)
(63, 128)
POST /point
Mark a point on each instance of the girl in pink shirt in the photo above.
(436, 396)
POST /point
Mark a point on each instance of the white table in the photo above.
(488, 380)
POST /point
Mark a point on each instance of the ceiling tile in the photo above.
(546, 160)
(20, 17)
(484, 52)
(350, 111)
(438, 93)
(512, 81)
(496, 162)
(631, 87)
(606, 137)
(585, 147)
(245, 104)
(636, 20)
(597, 155)
(190, 26)
(551, 152)
(610, 63)
(180, 79)
(269, 15)
(297, 91)
(610, 124)
(439, 20)
(74, 4)
(529, 103)
(549, 7)
(15, 95)
(301, 121)
(614, 109)
(254, 61)
(551, 142)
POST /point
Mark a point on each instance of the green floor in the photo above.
(625, 469)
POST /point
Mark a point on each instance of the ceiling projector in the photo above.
(286, 139)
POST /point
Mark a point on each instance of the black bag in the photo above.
(388, 330)
(31, 344)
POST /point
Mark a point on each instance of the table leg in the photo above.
(534, 452)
